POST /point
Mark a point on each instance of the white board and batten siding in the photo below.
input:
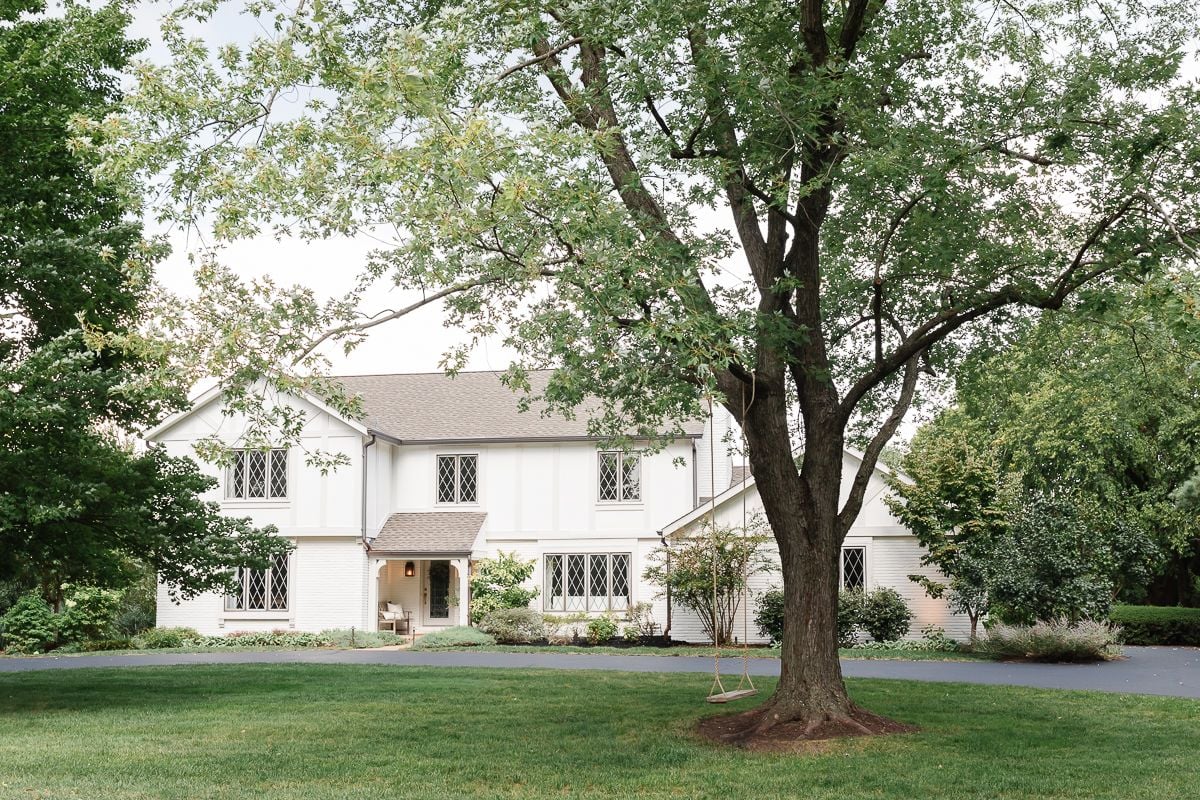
(540, 497)
(321, 516)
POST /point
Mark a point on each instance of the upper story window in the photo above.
(854, 567)
(620, 477)
(257, 474)
(458, 478)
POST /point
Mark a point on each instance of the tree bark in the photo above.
(802, 507)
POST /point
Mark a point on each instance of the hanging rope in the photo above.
(745, 688)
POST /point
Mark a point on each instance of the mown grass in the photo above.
(319, 732)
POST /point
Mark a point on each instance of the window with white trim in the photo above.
(257, 475)
(620, 477)
(261, 589)
(854, 567)
(458, 478)
(587, 582)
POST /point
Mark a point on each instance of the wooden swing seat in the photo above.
(729, 697)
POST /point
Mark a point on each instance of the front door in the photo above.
(437, 593)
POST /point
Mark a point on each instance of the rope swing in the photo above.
(717, 693)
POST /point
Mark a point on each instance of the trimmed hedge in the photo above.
(1161, 625)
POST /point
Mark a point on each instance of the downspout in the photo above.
(667, 627)
(366, 444)
(367, 576)
(695, 476)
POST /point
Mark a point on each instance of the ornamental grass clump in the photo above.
(458, 636)
(1053, 640)
(352, 638)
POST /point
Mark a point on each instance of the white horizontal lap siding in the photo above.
(686, 625)
(890, 560)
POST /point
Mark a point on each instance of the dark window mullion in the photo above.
(609, 559)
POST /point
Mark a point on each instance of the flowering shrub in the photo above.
(499, 583)
(88, 614)
(885, 615)
(601, 629)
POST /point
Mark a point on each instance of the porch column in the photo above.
(463, 565)
(374, 567)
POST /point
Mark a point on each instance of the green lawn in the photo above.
(307, 731)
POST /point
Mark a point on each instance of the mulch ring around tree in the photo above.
(742, 730)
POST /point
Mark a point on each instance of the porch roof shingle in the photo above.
(441, 532)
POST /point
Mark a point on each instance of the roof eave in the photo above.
(520, 439)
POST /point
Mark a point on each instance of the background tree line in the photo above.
(1052, 485)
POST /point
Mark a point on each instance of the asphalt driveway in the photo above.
(1168, 671)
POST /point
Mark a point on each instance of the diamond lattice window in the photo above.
(854, 568)
(587, 582)
(620, 477)
(468, 472)
(279, 473)
(237, 476)
(261, 589)
(279, 582)
(257, 475)
(610, 484)
(598, 583)
(620, 582)
(458, 479)
(576, 583)
(446, 469)
(631, 478)
(256, 588)
(554, 583)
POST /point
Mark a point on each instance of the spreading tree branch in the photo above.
(870, 456)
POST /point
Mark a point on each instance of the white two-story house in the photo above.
(445, 471)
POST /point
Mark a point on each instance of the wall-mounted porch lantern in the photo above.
(410, 569)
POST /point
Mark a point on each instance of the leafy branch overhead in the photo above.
(561, 172)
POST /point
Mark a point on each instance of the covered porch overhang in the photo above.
(420, 565)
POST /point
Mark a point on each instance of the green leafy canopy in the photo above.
(631, 192)
(77, 503)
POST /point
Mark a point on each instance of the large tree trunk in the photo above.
(802, 507)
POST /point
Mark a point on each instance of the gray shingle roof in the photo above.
(442, 532)
(433, 406)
